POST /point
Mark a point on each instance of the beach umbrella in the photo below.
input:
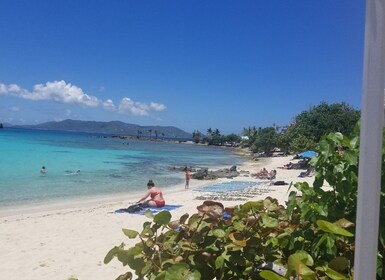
(308, 154)
(371, 135)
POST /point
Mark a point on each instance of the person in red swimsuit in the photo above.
(156, 195)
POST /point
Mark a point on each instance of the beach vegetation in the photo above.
(197, 136)
(311, 237)
(305, 131)
(214, 137)
(318, 121)
(265, 140)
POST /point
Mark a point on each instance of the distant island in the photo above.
(114, 128)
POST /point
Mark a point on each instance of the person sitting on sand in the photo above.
(263, 173)
(272, 174)
(156, 195)
(287, 166)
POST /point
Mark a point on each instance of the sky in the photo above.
(191, 64)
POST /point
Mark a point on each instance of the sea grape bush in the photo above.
(312, 237)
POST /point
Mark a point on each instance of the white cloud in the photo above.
(15, 109)
(63, 92)
(130, 107)
(68, 112)
(109, 105)
(58, 91)
(157, 106)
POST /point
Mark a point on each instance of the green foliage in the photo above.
(197, 136)
(309, 126)
(305, 131)
(208, 245)
(302, 134)
(301, 143)
(265, 140)
(311, 238)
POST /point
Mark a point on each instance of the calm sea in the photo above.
(107, 166)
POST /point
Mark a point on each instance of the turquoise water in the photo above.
(107, 166)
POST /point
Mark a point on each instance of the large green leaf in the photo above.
(181, 271)
(351, 157)
(334, 275)
(325, 148)
(162, 218)
(333, 228)
(270, 204)
(336, 137)
(339, 263)
(219, 233)
(219, 262)
(148, 214)
(134, 258)
(269, 222)
(298, 265)
(258, 205)
(111, 254)
(130, 233)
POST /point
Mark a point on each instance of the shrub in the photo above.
(312, 237)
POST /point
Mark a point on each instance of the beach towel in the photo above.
(280, 183)
(142, 210)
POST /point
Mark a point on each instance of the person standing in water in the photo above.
(156, 195)
(187, 175)
(42, 170)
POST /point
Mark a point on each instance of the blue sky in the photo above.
(195, 64)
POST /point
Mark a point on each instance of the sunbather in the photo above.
(272, 174)
(156, 200)
(305, 173)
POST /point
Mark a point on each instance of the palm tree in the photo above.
(196, 136)
(209, 131)
(217, 132)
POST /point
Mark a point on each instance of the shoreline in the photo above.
(60, 243)
(61, 204)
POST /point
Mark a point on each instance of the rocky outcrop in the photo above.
(205, 174)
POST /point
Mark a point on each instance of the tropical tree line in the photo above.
(214, 137)
(303, 133)
(141, 133)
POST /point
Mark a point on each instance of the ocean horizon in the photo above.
(85, 165)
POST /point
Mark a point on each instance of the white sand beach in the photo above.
(60, 242)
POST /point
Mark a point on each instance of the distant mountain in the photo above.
(113, 127)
